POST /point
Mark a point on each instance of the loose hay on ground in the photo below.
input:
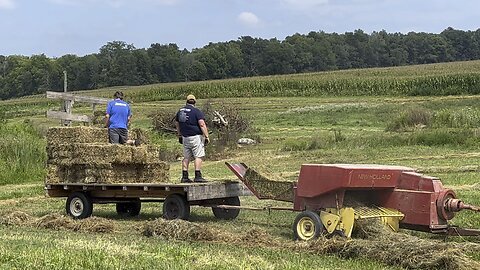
(391, 248)
(16, 218)
(178, 230)
(59, 222)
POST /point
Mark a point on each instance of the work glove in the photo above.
(207, 141)
(180, 139)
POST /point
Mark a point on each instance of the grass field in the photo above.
(328, 128)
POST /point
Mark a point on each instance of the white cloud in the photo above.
(304, 4)
(113, 3)
(7, 4)
(164, 2)
(248, 19)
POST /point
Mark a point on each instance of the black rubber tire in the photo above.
(227, 214)
(79, 205)
(129, 209)
(307, 226)
(176, 207)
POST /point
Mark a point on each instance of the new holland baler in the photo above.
(331, 197)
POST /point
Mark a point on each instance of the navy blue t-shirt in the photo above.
(188, 117)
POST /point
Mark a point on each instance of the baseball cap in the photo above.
(189, 97)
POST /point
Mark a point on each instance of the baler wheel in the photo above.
(307, 226)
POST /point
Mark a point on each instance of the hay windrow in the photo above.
(16, 218)
(391, 248)
(178, 230)
(396, 249)
(58, 222)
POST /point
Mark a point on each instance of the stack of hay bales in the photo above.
(83, 155)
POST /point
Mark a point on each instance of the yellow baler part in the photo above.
(390, 217)
(329, 220)
(341, 219)
(392, 222)
(348, 219)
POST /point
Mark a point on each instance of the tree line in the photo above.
(119, 63)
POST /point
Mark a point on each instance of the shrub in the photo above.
(440, 137)
(463, 118)
(163, 120)
(409, 119)
(226, 135)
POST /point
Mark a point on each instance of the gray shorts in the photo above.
(118, 135)
(193, 147)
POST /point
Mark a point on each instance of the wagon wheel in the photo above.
(129, 209)
(223, 213)
(79, 205)
(176, 207)
(307, 226)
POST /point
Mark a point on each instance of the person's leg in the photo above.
(113, 136)
(198, 152)
(187, 156)
(198, 171)
(123, 133)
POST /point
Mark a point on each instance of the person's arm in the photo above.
(179, 134)
(129, 116)
(107, 114)
(107, 120)
(203, 127)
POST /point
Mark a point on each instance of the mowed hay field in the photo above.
(417, 123)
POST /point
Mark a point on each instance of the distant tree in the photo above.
(165, 62)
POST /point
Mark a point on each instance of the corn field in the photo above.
(457, 78)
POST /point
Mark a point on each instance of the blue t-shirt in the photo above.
(188, 117)
(119, 112)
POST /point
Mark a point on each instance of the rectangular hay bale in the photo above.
(80, 134)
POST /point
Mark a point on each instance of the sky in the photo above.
(59, 27)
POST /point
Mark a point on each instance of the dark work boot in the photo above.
(185, 178)
(137, 142)
(198, 177)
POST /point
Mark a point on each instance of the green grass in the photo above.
(23, 154)
(313, 126)
(43, 249)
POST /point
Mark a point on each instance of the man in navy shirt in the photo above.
(117, 118)
(193, 134)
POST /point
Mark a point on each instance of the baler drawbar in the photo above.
(331, 197)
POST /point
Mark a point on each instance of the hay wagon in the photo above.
(176, 198)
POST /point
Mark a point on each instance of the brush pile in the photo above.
(83, 155)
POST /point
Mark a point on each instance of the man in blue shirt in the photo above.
(117, 119)
(193, 134)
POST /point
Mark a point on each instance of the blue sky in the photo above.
(58, 27)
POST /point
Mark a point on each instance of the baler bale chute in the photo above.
(332, 197)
